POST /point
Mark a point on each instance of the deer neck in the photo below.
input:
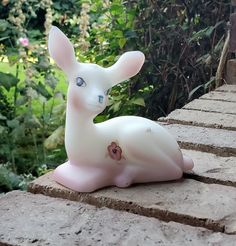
(78, 124)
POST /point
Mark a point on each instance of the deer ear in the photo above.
(128, 65)
(61, 50)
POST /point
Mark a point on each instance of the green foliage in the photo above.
(182, 41)
(27, 101)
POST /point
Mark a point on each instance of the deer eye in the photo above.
(80, 82)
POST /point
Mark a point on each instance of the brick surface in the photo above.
(211, 168)
(28, 219)
(201, 118)
(186, 201)
(220, 96)
(227, 88)
(217, 141)
(212, 106)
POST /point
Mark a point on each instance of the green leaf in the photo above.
(51, 80)
(31, 121)
(3, 38)
(116, 9)
(122, 42)
(3, 25)
(2, 117)
(130, 34)
(7, 80)
(100, 118)
(210, 82)
(13, 123)
(116, 106)
(191, 93)
(41, 89)
(18, 133)
(43, 63)
(2, 129)
(8, 179)
(21, 101)
(138, 101)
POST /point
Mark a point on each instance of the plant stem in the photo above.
(44, 131)
(16, 88)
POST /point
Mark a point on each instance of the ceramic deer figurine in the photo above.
(117, 152)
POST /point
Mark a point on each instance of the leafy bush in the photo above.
(182, 41)
(28, 94)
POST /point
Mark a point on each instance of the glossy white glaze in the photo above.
(120, 151)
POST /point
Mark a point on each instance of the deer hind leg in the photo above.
(150, 162)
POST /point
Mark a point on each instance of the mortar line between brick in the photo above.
(225, 90)
(193, 123)
(220, 151)
(130, 207)
(218, 100)
(209, 111)
(209, 180)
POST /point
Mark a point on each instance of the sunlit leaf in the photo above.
(139, 101)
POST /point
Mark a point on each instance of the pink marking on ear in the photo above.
(132, 65)
(126, 67)
(61, 49)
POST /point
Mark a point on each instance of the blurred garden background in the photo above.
(181, 39)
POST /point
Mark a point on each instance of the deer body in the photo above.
(120, 151)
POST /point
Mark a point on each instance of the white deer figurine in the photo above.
(120, 151)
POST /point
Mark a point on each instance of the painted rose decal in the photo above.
(115, 151)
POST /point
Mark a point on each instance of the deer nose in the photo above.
(100, 98)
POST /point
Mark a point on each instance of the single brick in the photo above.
(211, 168)
(201, 118)
(220, 96)
(227, 88)
(217, 141)
(185, 201)
(212, 106)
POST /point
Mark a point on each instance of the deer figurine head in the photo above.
(120, 151)
(89, 83)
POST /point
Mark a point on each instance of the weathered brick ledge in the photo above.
(200, 209)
